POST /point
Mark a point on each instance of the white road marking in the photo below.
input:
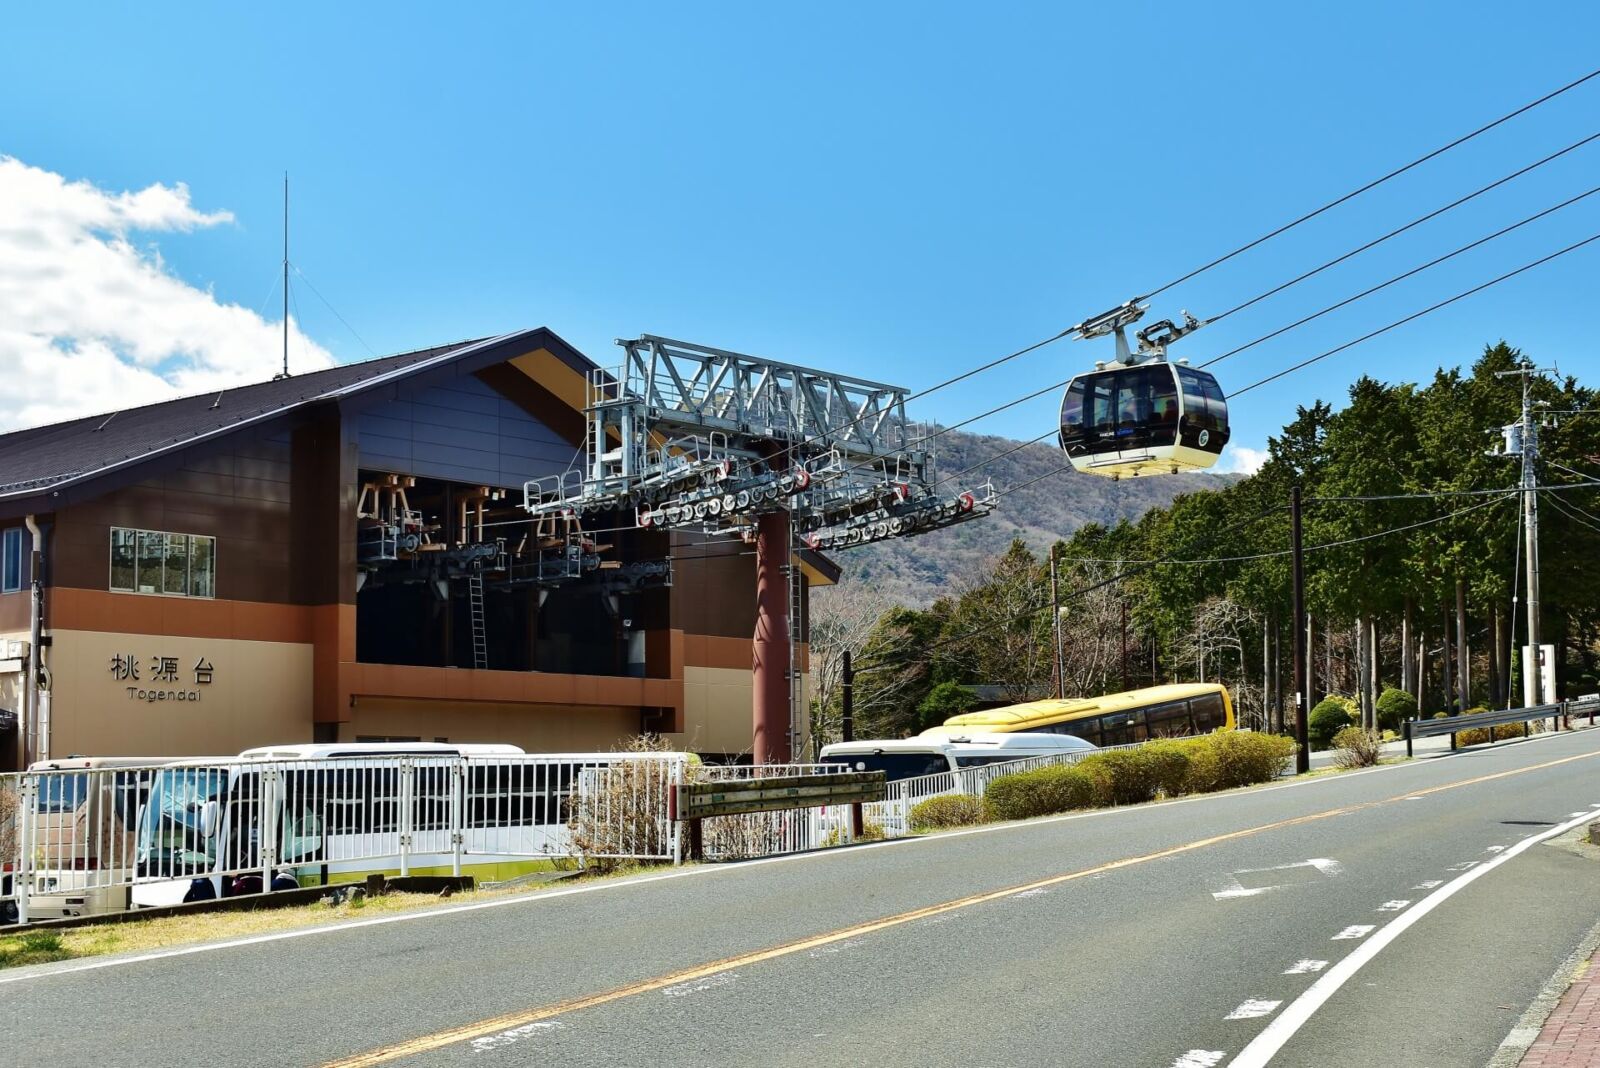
(1037, 891)
(1233, 887)
(1462, 866)
(1200, 1058)
(1493, 849)
(1577, 814)
(1428, 884)
(1392, 906)
(700, 986)
(1266, 1045)
(1355, 930)
(1252, 1009)
(1301, 967)
(836, 947)
(515, 1035)
(1413, 799)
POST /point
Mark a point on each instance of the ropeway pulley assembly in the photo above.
(700, 439)
(1138, 414)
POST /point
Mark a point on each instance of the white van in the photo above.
(908, 758)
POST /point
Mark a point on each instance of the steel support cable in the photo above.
(1372, 184)
(1417, 315)
(1402, 229)
(1349, 300)
(1400, 277)
(294, 267)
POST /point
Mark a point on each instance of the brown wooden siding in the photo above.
(240, 496)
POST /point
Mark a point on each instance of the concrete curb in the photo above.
(1529, 1025)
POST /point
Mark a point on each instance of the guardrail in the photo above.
(1454, 725)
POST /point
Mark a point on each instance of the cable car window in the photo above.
(1072, 411)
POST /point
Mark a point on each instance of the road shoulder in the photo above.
(1566, 1014)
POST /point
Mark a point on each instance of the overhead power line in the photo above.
(1308, 216)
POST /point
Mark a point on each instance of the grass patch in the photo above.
(48, 946)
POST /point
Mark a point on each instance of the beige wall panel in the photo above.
(552, 729)
(260, 694)
(716, 712)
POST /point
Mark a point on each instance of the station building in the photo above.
(343, 556)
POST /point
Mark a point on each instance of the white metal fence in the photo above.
(105, 839)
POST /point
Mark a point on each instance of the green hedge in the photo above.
(1045, 791)
(949, 810)
(1219, 761)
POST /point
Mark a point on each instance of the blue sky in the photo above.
(898, 190)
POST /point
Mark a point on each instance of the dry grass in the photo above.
(39, 947)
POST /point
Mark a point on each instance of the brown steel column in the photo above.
(770, 692)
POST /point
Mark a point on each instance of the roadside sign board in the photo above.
(702, 799)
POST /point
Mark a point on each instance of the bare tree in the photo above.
(844, 618)
(1091, 636)
(1006, 612)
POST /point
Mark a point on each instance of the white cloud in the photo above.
(91, 322)
(1240, 460)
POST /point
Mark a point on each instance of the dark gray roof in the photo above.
(41, 458)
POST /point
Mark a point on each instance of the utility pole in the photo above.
(847, 714)
(1055, 622)
(1302, 694)
(1522, 440)
(1125, 644)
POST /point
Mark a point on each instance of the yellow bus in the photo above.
(1115, 719)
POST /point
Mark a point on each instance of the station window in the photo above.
(11, 561)
(153, 561)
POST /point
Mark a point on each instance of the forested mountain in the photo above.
(1412, 535)
(1049, 505)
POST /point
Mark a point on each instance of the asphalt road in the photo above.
(1175, 934)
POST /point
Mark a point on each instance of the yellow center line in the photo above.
(494, 1025)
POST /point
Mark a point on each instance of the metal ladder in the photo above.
(480, 634)
(797, 696)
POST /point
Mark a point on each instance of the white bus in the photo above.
(910, 758)
(337, 813)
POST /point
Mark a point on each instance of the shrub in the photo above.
(1043, 791)
(1479, 735)
(1441, 715)
(1228, 759)
(1356, 748)
(951, 810)
(619, 811)
(1331, 715)
(1395, 707)
(1143, 774)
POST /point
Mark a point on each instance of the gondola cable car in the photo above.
(1141, 414)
